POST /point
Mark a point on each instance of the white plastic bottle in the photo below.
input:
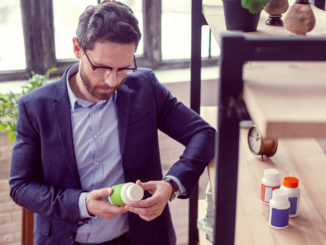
(125, 193)
(279, 210)
(270, 182)
(291, 186)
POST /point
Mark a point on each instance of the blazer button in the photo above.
(71, 235)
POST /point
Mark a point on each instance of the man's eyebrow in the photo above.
(124, 67)
(109, 67)
(104, 66)
(100, 65)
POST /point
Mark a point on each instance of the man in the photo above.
(97, 127)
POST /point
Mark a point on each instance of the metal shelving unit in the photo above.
(236, 49)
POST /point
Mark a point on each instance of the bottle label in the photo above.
(266, 192)
(294, 205)
(278, 218)
(115, 198)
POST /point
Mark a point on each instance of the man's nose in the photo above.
(111, 79)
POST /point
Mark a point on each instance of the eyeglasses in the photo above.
(103, 71)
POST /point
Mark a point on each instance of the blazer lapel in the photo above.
(123, 106)
(62, 117)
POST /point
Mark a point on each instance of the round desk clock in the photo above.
(259, 145)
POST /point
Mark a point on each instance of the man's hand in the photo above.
(98, 206)
(153, 206)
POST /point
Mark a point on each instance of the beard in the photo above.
(100, 92)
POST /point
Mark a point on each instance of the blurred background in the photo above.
(175, 30)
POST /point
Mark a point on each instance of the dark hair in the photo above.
(109, 21)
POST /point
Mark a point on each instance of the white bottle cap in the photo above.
(271, 173)
(280, 195)
(124, 190)
(135, 192)
(271, 177)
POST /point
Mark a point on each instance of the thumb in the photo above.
(104, 192)
(138, 182)
(147, 186)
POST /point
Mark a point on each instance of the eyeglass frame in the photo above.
(110, 69)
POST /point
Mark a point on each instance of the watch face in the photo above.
(254, 140)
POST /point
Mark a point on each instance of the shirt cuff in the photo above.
(82, 206)
(182, 189)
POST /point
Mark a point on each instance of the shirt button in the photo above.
(97, 163)
(95, 136)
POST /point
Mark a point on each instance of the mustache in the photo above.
(106, 87)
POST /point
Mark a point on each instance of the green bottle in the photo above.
(125, 193)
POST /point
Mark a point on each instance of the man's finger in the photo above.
(148, 218)
(147, 186)
(139, 211)
(145, 213)
(146, 203)
(116, 210)
(109, 211)
(105, 192)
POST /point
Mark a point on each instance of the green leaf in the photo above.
(3, 127)
(9, 102)
(254, 6)
(12, 136)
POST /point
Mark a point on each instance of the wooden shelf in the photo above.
(284, 99)
(302, 158)
(213, 12)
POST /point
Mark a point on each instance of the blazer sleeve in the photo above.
(27, 186)
(187, 127)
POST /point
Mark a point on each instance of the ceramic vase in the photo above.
(275, 9)
(300, 18)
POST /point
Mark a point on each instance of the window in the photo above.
(66, 14)
(12, 51)
(137, 7)
(176, 31)
(165, 43)
(207, 46)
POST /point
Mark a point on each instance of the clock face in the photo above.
(254, 140)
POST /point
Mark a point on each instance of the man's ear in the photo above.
(76, 48)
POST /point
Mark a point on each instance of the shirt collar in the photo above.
(77, 102)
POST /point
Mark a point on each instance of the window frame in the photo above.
(40, 52)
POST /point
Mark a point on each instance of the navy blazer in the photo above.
(44, 176)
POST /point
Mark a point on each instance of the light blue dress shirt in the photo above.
(98, 156)
(99, 161)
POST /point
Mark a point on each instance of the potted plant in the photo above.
(243, 15)
(8, 118)
(9, 103)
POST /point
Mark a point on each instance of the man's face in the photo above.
(95, 86)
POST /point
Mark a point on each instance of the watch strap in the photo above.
(175, 188)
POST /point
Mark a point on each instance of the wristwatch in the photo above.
(175, 188)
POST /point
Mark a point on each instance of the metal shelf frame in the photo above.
(197, 21)
(236, 50)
